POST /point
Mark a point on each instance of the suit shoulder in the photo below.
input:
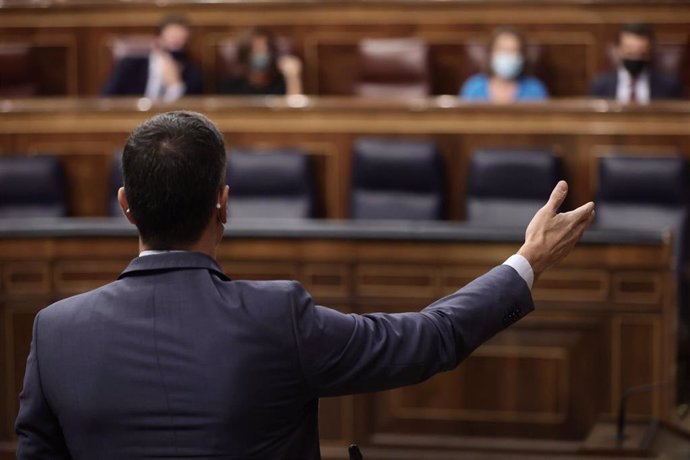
(271, 288)
(73, 304)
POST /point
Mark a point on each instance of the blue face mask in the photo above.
(260, 61)
(507, 65)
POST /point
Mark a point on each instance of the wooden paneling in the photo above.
(604, 321)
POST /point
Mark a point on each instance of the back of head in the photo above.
(173, 168)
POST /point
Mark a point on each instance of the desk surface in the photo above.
(320, 229)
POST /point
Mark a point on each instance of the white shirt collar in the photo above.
(152, 252)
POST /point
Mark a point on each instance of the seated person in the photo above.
(508, 78)
(635, 79)
(165, 74)
(261, 70)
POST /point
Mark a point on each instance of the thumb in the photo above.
(557, 197)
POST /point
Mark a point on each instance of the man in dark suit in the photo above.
(635, 79)
(175, 360)
(165, 74)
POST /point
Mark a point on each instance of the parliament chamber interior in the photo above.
(384, 153)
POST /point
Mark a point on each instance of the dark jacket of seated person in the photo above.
(635, 79)
(650, 85)
(132, 77)
(507, 78)
(242, 86)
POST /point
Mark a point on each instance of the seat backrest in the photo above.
(270, 183)
(506, 187)
(642, 192)
(17, 77)
(397, 179)
(393, 67)
(32, 186)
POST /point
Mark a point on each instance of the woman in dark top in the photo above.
(261, 70)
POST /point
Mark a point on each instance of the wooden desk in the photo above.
(86, 132)
(604, 321)
(76, 36)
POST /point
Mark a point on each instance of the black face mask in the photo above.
(178, 55)
(635, 66)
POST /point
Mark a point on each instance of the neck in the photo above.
(206, 244)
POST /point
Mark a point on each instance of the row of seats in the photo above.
(393, 179)
(404, 179)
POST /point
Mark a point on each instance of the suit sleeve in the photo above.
(348, 353)
(38, 430)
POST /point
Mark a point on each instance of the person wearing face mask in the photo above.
(635, 80)
(261, 69)
(166, 74)
(507, 79)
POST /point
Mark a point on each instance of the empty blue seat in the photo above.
(32, 186)
(648, 193)
(270, 183)
(397, 179)
(642, 192)
(507, 187)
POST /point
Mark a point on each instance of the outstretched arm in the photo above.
(343, 354)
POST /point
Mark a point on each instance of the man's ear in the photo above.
(124, 205)
(223, 202)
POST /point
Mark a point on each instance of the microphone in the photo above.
(355, 453)
(639, 389)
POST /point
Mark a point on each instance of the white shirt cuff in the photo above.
(523, 267)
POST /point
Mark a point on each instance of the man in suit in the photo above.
(175, 360)
(635, 79)
(165, 74)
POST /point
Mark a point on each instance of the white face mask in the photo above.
(507, 65)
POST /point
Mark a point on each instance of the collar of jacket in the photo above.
(171, 261)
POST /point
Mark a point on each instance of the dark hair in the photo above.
(522, 41)
(173, 166)
(244, 50)
(171, 20)
(641, 29)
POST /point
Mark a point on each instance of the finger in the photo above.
(557, 197)
(583, 225)
(580, 214)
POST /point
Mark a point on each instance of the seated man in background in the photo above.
(635, 79)
(507, 78)
(165, 74)
(262, 70)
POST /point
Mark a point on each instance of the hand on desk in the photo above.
(551, 235)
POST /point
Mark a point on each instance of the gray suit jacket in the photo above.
(175, 360)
